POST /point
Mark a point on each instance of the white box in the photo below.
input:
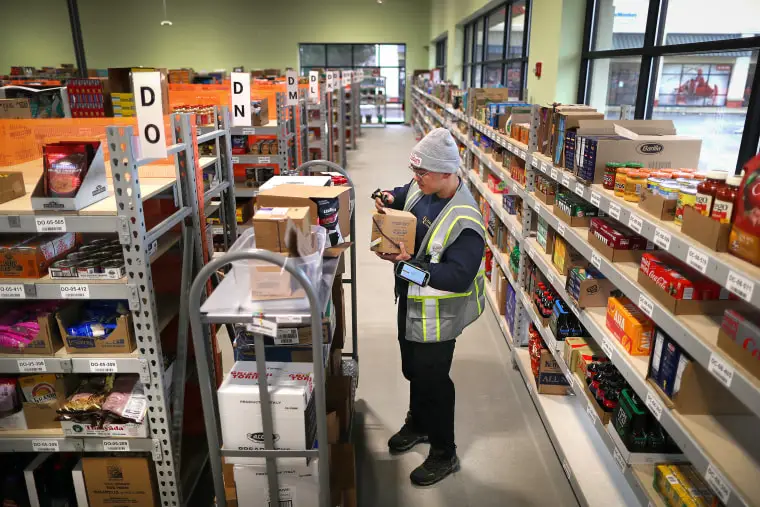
(31, 480)
(299, 485)
(80, 490)
(314, 181)
(131, 430)
(290, 387)
(13, 422)
(642, 458)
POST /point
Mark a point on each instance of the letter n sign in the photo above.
(240, 99)
(292, 80)
(150, 114)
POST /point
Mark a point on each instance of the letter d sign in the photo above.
(150, 114)
(314, 96)
(292, 80)
(241, 99)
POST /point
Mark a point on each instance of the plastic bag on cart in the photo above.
(257, 281)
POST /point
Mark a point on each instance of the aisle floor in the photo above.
(506, 455)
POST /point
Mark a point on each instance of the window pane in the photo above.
(467, 43)
(613, 84)
(621, 24)
(707, 100)
(339, 55)
(365, 55)
(495, 42)
(492, 76)
(312, 55)
(466, 79)
(478, 44)
(728, 19)
(476, 70)
(514, 79)
(392, 55)
(516, 30)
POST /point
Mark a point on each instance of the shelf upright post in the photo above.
(227, 197)
(325, 134)
(303, 126)
(126, 181)
(342, 125)
(283, 134)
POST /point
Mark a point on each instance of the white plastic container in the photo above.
(260, 280)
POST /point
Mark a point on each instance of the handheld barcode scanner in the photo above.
(379, 193)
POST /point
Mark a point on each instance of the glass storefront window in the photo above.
(495, 36)
(312, 55)
(339, 55)
(517, 20)
(690, 21)
(614, 82)
(620, 24)
(514, 79)
(492, 76)
(478, 44)
(365, 55)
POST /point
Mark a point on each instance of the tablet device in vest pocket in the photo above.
(412, 273)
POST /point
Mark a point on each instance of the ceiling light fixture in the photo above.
(166, 21)
(380, 1)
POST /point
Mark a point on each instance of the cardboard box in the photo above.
(603, 416)
(547, 199)
(301, 195)
(565, 257)
(312, 181)
(15, 109)
(290, 389)
(739, 337)
(568, 121)
(629, 325)
(570, 344)
(658, 206)
(298, 483)
(339, 400)
(260, 112)
(46, 343)
(127, 430)
(25, 256)
(683, 306)
(551, 379)
(343, 475)
(614, 254)
(270, 226)
(653, 143)
(391, 227)
(642, 458)
(119, 481)
(120, 341)
(93, 188)
(11, 185)
(571, 221)
(709, 232)
(591, 292)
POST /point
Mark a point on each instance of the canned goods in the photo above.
(76, 256)
(113, 264)
(687, 196)
(88, 249)
(64, 267)
(669, 190)
(89, 267)
(99, 242)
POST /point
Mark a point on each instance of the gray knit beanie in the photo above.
(436, 152)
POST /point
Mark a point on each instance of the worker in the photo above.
(450, 246)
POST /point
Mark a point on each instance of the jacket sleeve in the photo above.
(460, 263)
(399, 196)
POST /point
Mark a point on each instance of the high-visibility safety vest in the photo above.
(437, 315)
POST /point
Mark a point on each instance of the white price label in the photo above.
(580, 189)
(288, 319)
(596, 198)
(619, 460)
(566, 180)
(235, 160)
(740, 286)
(561, 229)
(264, 160)
(720, 369)
(261, 326)
(591, 413)
(103, 366)
(718, 483)
(614, 211)
(545, 167)
(635, 223)
(12, 291)
(522, 154)
(596, 260)
(50, 224)
(646, 305)
(696, 259)
(31, 365)
(554, 173)
(78, 291)
(249, 131)
(45, 445)
(607, 347)
(288, 336)
(654, 405)
(566, 468)
(116, 445)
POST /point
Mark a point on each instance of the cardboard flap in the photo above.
(622, 131)
(302, 195)
(640, 127)
(336, 251)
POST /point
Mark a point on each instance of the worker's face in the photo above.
(429, 182)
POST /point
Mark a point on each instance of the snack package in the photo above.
(19, 325)
(9, 399)
(38, 388)
(65, 166)
(126, 402)
(744, 240)
(98, 319)
(88, 398)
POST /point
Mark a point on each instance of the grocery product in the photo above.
(617, 236)
(707, 190)
(635, 183)
(744, 240)
(610, 171)
(25, 256)
(9, 400)
(604, 383)
(126, 402)
(631, 327)
(88, 398)
(723, 206)
(38, 388)
(680, 485)
(621, 176)
(98, 319)
(65, 165)
(677, 279)
(739, 337)
(19, 325)
(687, 197)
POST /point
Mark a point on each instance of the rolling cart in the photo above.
(265, 316)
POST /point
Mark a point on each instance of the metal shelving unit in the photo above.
(356, 113)
(337, 127)
(323, 143)
(373, 101)
(178, 471)
(713, 444)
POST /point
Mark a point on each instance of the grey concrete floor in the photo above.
(506, 455)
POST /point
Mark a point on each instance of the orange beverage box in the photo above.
(630, 325)
(26, 256)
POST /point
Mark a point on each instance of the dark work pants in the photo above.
(431, 391)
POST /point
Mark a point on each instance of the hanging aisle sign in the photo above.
(329, 80)
(150, 114)
(314, 96)
(360, 72)
(346, 77)
(292, 79)
(240, 91)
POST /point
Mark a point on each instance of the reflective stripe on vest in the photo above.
(429, 298)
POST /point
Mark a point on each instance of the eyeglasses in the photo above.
(419, 173)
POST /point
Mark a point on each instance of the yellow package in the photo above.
(38, 388)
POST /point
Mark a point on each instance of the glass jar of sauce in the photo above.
(635, 183)
(707, 189)
(620, 177)
(725, 197)
(610, 169)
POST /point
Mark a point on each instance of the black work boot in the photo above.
(406, 438)
(436, 467)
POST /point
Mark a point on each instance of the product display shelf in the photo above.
(338, 127)
(494, 201)
(53, 440)
(356, 112)
(319, 145)
(491, 297)
(375, 102)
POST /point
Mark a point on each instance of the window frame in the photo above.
(652, 50)
(475, 65)
(441, 47)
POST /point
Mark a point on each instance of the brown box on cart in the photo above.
(339, 399)
(343, 475)
(271, 224)
(120, 341)
(118, 481)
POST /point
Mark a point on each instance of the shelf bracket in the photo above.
(134, 297)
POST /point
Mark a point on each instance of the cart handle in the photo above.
(331, 165)
(208, 388)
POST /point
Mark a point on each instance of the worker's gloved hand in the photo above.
(382, 200)
(402, 256)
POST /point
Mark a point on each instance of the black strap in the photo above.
(385, 235)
